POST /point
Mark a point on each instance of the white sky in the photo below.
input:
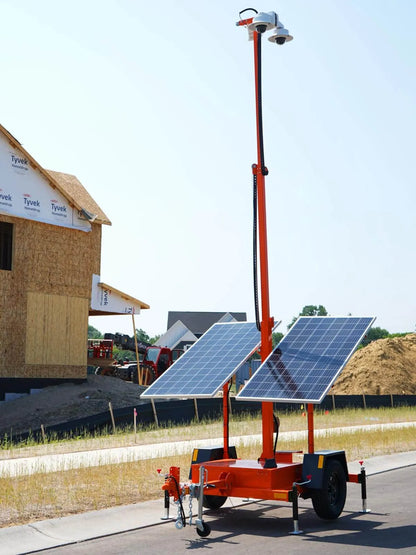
(151, 106)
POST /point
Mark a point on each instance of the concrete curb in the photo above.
(57, 532)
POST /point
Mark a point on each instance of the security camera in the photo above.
(263, 22)
(280, 36)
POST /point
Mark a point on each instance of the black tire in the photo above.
(134, 375)
(205, 532)
(123, 372)
(213, 502)
(329, 501)
(148, 375)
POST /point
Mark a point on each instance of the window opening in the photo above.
(6, 243)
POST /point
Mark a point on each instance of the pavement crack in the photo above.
(44, 533)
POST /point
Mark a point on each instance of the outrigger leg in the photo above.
(202, 528)
(166, 505)
(363, 481)
(295, 511)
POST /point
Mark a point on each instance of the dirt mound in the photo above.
(383, 367)
(61, 403)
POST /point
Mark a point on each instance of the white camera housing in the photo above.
(280, 36)
(263, 22)
(267, 21)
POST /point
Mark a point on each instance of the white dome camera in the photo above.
(263, 22)
(280, 36)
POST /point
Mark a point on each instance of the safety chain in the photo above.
(190, 509)
(179, 521)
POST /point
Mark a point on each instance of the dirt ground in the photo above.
(61, 403)
(384, 367)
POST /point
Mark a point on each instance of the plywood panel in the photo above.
(55, 329)
(77, 331)
(56, 332)
(35, 326)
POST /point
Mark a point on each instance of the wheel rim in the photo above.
(333, 489)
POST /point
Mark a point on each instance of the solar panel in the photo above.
(307, 361)
(211, 361)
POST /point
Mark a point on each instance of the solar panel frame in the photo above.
(296, 351)
(209, 352)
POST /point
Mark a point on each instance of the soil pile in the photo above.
(65, 402)
(386, 366)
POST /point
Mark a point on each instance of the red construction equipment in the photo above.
(153, 362)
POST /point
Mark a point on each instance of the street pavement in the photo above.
(69, 530)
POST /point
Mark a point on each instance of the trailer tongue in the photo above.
(301, 369)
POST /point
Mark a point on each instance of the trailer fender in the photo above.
(314, 466)
(210, 454)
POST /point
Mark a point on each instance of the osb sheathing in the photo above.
(54, 334)
(50, 260)
(75, 190)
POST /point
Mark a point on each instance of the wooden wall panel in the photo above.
(56, 330)
(77, 332)
(35, 328)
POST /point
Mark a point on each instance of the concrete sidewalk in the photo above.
(65, 461)
(67, 530)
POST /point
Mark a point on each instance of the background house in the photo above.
(184, 328)
(50, 250)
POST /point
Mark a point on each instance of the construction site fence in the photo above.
(165, 413)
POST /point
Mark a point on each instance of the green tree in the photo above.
(277, 336)
(142, 336)
(145, 337)
(121, 354)
(309, 310)
(373, 334)
(93, 333)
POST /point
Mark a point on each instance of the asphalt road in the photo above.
(264, 526)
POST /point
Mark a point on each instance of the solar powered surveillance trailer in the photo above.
(301, 369)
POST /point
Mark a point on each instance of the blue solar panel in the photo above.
(307, 361)
(204, 368)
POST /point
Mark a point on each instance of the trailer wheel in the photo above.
(329, 501)
(214, 502)
(206, 530)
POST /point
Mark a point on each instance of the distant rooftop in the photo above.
(199, 322)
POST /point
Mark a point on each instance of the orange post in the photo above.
(260, 172)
